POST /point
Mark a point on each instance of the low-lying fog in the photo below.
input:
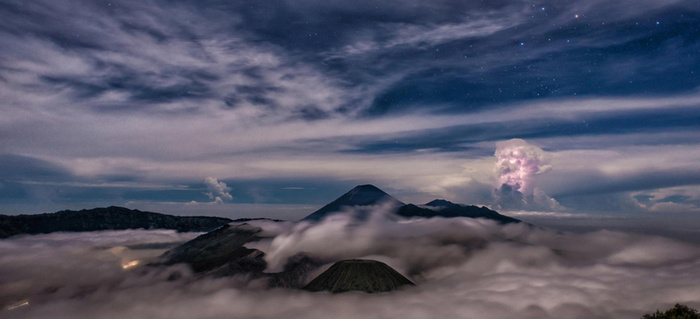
(463, 268)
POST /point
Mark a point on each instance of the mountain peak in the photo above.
(367, 194)
(367, 188)
(440, 203)
(361, 195)
(370, 276)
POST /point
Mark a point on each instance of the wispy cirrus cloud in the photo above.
(414, 36)
(163, 94)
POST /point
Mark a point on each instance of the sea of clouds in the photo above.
(462, 267)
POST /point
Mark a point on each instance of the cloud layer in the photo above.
(463, 268)
(217, 191)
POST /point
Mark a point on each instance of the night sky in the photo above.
(581, 118)
(579, 112)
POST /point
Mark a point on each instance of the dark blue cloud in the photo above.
(540, 54)
(308, 26)
(593, 183)
(18, 168)
(577, 59)
(674, 199)
(464, 138)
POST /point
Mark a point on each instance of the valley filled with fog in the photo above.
(462, 267)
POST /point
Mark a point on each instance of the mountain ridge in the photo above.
(120, 218)
(439, 203)
(104, 218)
(367, 194)
(222, 253)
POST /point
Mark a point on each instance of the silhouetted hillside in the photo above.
(222, 247)
(362, 195)
(222, 253)
(105, 218)
(443, 208)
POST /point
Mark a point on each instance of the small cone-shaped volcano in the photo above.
(363, 275)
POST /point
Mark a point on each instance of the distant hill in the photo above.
(443, 208)
(105, 218)
(359, 275)
(362, 195)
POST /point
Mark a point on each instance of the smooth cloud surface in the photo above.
(463, 268)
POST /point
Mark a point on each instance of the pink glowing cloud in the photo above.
(516, 163)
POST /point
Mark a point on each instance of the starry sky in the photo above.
(585, 111)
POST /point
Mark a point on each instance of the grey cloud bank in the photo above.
(463, 268)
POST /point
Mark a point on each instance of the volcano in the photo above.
(367, 195)
(362, 195)
(370, 276)
(223, 252)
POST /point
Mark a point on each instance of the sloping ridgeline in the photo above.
(368, 195)
(104, 218)
(444, 208)
(361, 195)
(222, 253)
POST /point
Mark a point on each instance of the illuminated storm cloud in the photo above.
(517, 161)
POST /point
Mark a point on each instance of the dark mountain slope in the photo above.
(365, 195)
(105, 218)
(222, 247)
(222, 253)
(443, 208)
(362, 195)
(361, 275)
